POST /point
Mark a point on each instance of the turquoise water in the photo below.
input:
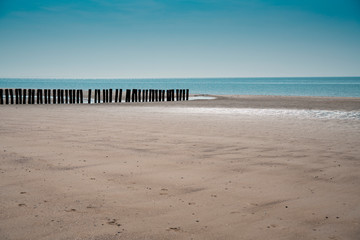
(325, 86)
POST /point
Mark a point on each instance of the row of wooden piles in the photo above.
(76, 96)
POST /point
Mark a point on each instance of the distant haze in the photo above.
(177, 38)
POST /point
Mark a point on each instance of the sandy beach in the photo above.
(237, 167)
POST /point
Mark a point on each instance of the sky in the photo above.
(179, 38)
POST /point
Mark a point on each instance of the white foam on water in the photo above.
(298, 113)
(201, 98)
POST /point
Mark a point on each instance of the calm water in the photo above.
(333, 86)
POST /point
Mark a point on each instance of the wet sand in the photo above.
(156, 171)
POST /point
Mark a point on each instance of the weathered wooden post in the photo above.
(104, 95)
(58, 96)
(116, 95)
(20, 96)
(11, 96)
(128, 95)
(28, 96)
(32, 96)
(139, 95)
(107, 95)
(66, 96)
(41, 96)
(45, 96)
(54, 96)
(38, 96)
(49, 96)
(77, 96)
(24, 96)
(1, 97)
(187, 94)
(177, 94)
(7, 96)
(62, 96)
(81, 96)
(120, 95)
(16, 96)
(110, 95)
(152, 95)
(89, 96)
(71, 96)
(143, 95)
(74, 96)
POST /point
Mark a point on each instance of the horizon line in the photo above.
(137, 78)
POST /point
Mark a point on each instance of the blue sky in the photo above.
(179, 38)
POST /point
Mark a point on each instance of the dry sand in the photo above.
(158, 171)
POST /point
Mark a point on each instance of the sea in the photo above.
(300, 86)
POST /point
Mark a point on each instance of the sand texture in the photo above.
(158, 171)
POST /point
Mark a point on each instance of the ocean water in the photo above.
(310, 86)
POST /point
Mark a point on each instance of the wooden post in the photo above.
(45, 96)
(177, 94)
(20, 95)
(32, 96)
(49, 96)
(1, 97)
(107, 95)
(132, 95)
(66, 100)
(70, 96)
(58, 96)
(62, 96)
(116, 95)
(187, 94)
(110, 95)
(81, 96)
(143, 95)
(77, 96)
(128, 95)
(37, 96)
(152, 95)
(29, 96)
(120, 95)
(41, 96)
(54, 96)
(104, 95)
(16, 96)
(7, 96)
(73, 96)
(24, 96)
(139, 95)
(11, 96)
(89, 96)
